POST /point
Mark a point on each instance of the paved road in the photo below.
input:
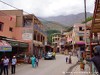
(46, 67)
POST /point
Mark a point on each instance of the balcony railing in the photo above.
(39, 29)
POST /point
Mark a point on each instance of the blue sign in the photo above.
(5, 49)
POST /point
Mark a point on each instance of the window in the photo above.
(27, 22)
(81, 38)
(34, 36)
(81, 29)
(11, 29)
(1, 26)
(53, 40)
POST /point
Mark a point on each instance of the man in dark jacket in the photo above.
(1, 66)
(96, 58)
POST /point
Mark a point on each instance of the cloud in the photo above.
(46, 8)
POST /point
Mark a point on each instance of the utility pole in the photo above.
(85, 22)
(73, 39)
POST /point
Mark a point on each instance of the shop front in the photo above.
(81, 49)
(38, 48)
(5, 48)
(19, 49)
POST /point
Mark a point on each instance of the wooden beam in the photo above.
(98, 8)
(97, 19)
(98, 12)
(96, 24)
(96, 27)
(97, 16)
(94, 31)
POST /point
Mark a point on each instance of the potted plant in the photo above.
(82, 64)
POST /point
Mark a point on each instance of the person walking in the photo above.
(66, 59)
(37, 61)
(33, 60)
(70, 61)
(13, 65)
(6, 63)
(1, 66)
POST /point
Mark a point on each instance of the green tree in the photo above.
(49, 35)
(88, 19)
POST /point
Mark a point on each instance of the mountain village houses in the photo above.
(75, 39)
(23, 33)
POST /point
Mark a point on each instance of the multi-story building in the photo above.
(23, 32)
(69, 37)
(80, 36)
(80, 39)
(56, 40)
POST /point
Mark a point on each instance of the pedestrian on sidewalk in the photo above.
(33, 60)
(37, 61)
(13, 65)
(70, 61)
(1, 66)
(6, 64)
(66, 59)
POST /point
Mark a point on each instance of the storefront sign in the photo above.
(27, 36)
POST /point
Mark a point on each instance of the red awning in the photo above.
(5, 46)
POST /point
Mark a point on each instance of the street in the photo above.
(46, 67)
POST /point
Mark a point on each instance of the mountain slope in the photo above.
(69, 19)
(49, 25)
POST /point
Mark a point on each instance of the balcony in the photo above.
(39, 29)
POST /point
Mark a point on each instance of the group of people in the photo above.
(34, 61)
(4, 65)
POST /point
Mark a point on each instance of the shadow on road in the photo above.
(70, 69)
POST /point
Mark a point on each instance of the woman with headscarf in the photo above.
(33, 60)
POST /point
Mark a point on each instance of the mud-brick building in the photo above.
(24, 32)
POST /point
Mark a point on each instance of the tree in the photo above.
(88, 19)
(49, 35)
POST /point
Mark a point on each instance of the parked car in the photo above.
(49, 55)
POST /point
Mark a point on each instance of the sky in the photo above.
(49, 8)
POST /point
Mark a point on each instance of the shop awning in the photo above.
(80, 43)
(14, 43)
(5, 46)
(23, 44)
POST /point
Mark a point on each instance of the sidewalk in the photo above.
(77, 71)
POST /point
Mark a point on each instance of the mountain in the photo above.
(68, 20)
(50, 25)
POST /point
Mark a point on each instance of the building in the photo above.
(56, 41)
(23, 32)
(80, 36)
(95, 32)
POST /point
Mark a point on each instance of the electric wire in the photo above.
(18, 9)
